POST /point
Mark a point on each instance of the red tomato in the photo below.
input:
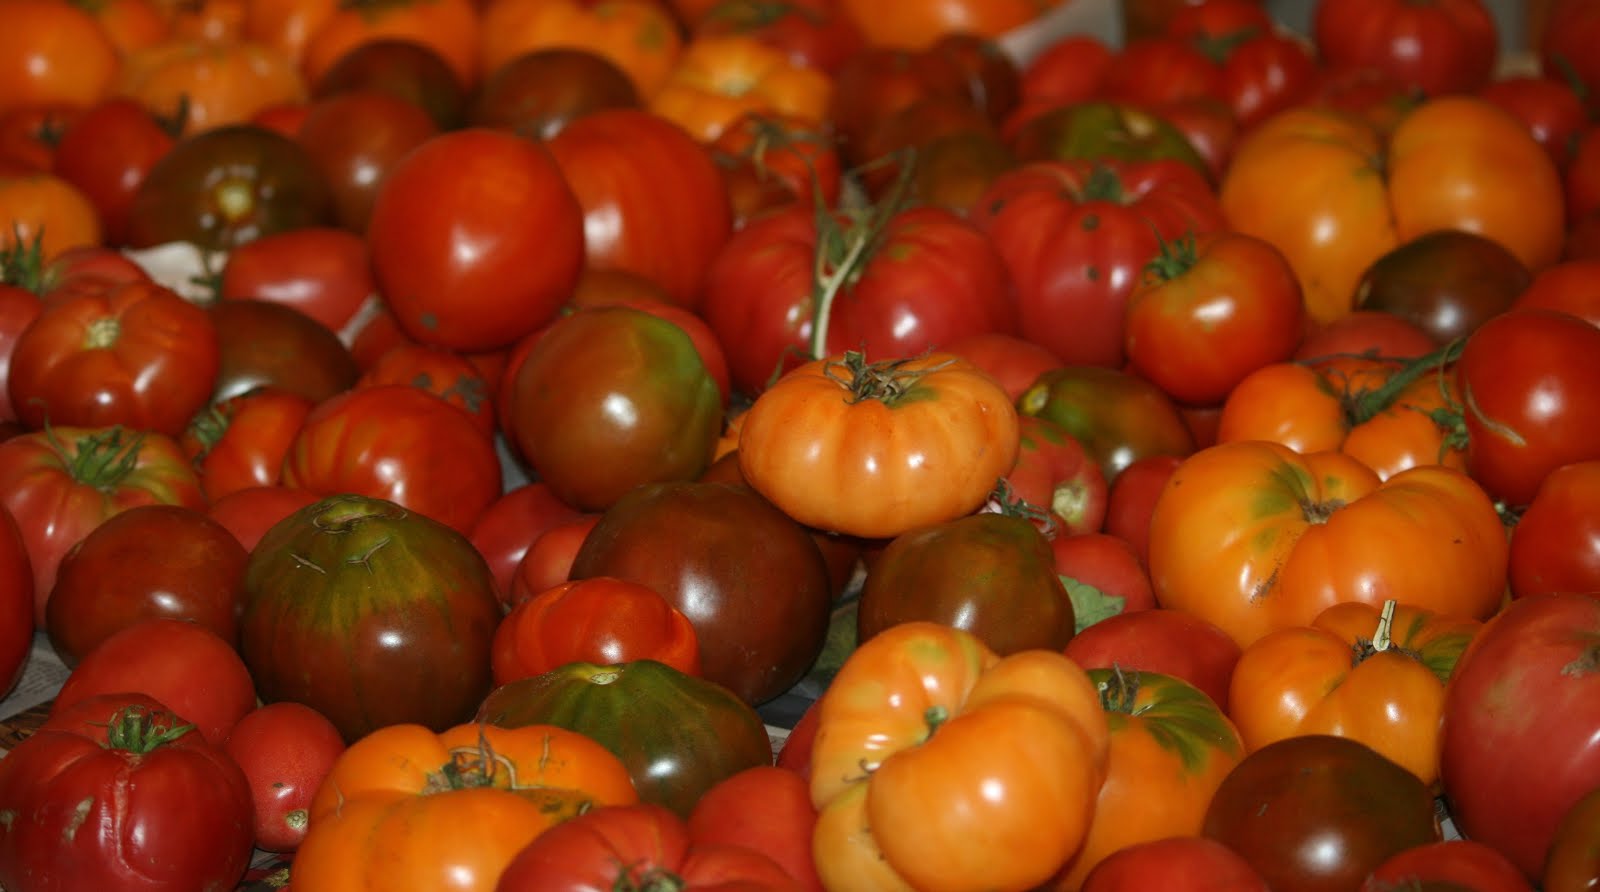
(1566, 45)
(62, 482)
(286, 749)
(241, 441)
(1550, 108)
(249, 513)
(106, 152)
(183, 665)
(1572, 286)
(16, 603)
(451, 251)
(1154, 71)
(1055, 474)
(164, 807)
(1376, 332)
(1015, 362)
(507, 528)
(766, 809)
(1264, 69)
(1103, 574)
(1169, 642)
(1475, 866)
(1132, 499)
(1076, 237)
(323, 272)
(1555, 546)
(356, 137)
(1175, 864)
(1511, 774)
(601, 620)
(1071, 69)
(18, 308)
(548, 562)
(396, 442)
(135, 354)
(1441, 47)
(446, 374)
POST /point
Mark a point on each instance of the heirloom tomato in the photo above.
(1447, 282)
(16, 603)
(1170, 748)
(1160, 70)
(1119, 417)
(135, 800)
(134, 354)
(1334, 193)
(1572, 286)
(1446, 46)
(369, 613)
(1209, 311)
(641, 846)
(450, 28)
(875, 82)
(506, 529)
(1076, 236)
(718, 78)
(1518, 748)
(286, 750)
(323, 272)
(1475, 866)
(1256, 537)
(408, 809)
(356, 138)
(269, 344)
(62, 482)
(203, 85)
(914, 441)
(543, 90)
(1161, 641)
(803, 283)
(1529, 404)
(638, 37)
(932, 754)
(106, 152)
(451, 253)
(772, 160)
(1056, 475)
(765, 808)
(1555, 546)
(678, 735)
(596, 620)
(397, 442)
(241, 441)
(1374, 677)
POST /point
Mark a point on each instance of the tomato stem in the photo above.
(100, 460)
(1175, 257)
(134, 729)
(22, 261)
(1003, 500)
(935, 717)
(1381, 638)
(886, 381)
(1365, 405)
(1119, 692)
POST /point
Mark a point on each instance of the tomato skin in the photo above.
(1167, 642)
(1054, 473)
(1574, 860)
(505, 530)
(106, 152)
(927, 450)
(135, 354)
(323, 272)
(175, 815)
(286, 750)
(596, 620)
(1445, 47)
(448, 253)
(1555, 546)
(1568, 286)
(1177, 864)
(765, 808)
(1118, 416)
(16, 603)
(447, 374)
(1525, 420)
(1010, 359)
(1475, 865)
(248, 513)
(241, 442)
(356, 138)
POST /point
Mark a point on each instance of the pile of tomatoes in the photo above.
(1173, 464)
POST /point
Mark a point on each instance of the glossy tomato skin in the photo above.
(1527, 378)
(1574, 860)
(1132, 498)
(1109, 565)
(765, 808)
(1119, 417)
(248, 513)
(1178, 864)
(241, 441)
(449, 249)
(1475, 865)
(1447, 282)
(319, 270)
(175, 814)
(1012, 360)
(134, 354)
(285, 750)
(511, 523)
(268, 344)
(107, 152)
(377, 659)
(16, 603)
(1537, 653)
(1055, 474)
(1168, 642)
(356, 138)
(1555, 546)
(1438, 48)
(596, 620)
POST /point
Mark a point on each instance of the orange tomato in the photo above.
(718, 79)
(1357, 671)
(219, 21)
(131, 24)
(1257, 537)
(599, 620)
(286, 25)
(52, 52)
(46, 207)
(932, 755)
(638, 36)
(1334, 194)
(448, 27)
(917, 24)
(206, 84)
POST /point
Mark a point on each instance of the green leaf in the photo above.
(1089, 604)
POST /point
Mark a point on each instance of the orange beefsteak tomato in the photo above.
(1374, 675)
(638, 36)
(406, 809)
(718, 78)
(1335, 194)
(1255, 537)
(940, 766)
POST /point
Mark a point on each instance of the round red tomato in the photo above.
(600, 620)
(16, 603)
(506, 529)
(452, 251)
(1555, 546)
(1449, 46)
(285, 750)
(1175, 864)
(323, 272)
(106, 152)
(356, 138)
(1474, 865)
(241, 441)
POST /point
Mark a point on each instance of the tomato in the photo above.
(914, 25)
(1119, 417)
(396, 442)
(1210, 311)
(1013, 750)
(1476, 866)
(1555, 545)
(916, 441)
(593, 292)
(1132, 497)
(1055, 474)
(1524, 409)
(62, 482)
(1446, 47)
(678, 735)
(507, 528)
(106, 152)
(609, 398)
(320, 271)
(1160, 70)
(761, 619)
(1574, 860)
(763, 808)
(286, 750)
(1011, 360)
(653, 200)
(446, 374)
(1562, 37)
(1076, 237)
(268, 344)
(411, 809)
(1334, 193)
(356, 138)
(1178, 864)
(54, 53)
(639, 37)
(876, 82)
(248, 513)
(185, 666)
(1102, 574)
(241, 442)
(634, 846)
(135, 354)
(718, 78)
(595, 620)
(1165, 642)
(404, 68)
(354, 605)
(1365, 334)
(1264, 70)
(885, 281)
(1353, 672)
(1510, 775)
(1549, 107)
(1447, 281)
(16, 603)
(1170, 748)
(1255, 537)
(228, 186)
(539, 92)
(46, 207)
(550, 556)
(18, 308)
(148, 561)
(1318, 813)
(449, 253)
(450, 28)
(815, 33)
(166, 807)
(1567, 286)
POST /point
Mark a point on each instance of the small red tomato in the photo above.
(596, 620)
(1472, 865)
(548, 561)
(285, 750)
(1056, 474)
(506, 529)
(764, 808)
(1176, 864)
